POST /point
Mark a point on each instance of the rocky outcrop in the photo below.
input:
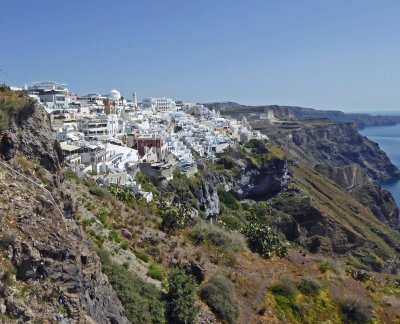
(261, 182)
(243, 175)
(52, 257)
(381, 203)
(207, 193)
(29, 132)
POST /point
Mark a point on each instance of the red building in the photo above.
(151, 144)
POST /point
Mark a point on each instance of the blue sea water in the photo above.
(388, 138)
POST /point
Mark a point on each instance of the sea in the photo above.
(388, 138)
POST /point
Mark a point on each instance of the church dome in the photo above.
(114, 95)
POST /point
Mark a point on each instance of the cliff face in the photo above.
(48, 270)
(53, 263)
(334, 145)
(341, 154)
(332, 220)
(27, 130)
(257, 172)
(291, 113)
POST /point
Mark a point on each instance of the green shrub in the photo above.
(125, 245)
(103, 215)
(285, 298)
(284, 288)
(71, 175)
(123, 194)
(356, 311)
(13, 106)
(325, 266)
(146, 183)
(218, 294)
(181, 298)
(217, 237)
(114, 236)
(99, 239)
(142, 256)
(264, 240)
(96, 190)
(142, 301)
(175, 217)
(228, 199)
(87, 222)
(308, 287)
(156, 272)
(358, 275)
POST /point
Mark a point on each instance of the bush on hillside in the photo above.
(217, 237)
(218, 294)
(358, 275)
(96, 190)
(181, 297)
(284, 288)
(103, 215)
(356, 311)
(156, 272)
(228, 199)
(308, 287)
(13, 106)
(142, 256)
(264, 240)
(175, 217)
(284, 293)
(142, 301)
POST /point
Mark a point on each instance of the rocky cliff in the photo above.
(49, 271)
(54, 273)
(26, 129)
(290, 113)
(256, 171)
(349, 159)
(333, 145)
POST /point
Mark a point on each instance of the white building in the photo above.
(159, 104)
(93, 126)
(52, 94)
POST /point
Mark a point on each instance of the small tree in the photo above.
(181, 297)
(264, 240)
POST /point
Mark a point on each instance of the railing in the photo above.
(40, 186)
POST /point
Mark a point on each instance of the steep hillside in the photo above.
(49, 272)
(342, 155)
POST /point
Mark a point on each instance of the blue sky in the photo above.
(323, 54)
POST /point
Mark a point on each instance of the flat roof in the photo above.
(69, 147)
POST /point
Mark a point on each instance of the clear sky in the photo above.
(342, 54)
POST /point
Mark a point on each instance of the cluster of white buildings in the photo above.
(110, 137)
